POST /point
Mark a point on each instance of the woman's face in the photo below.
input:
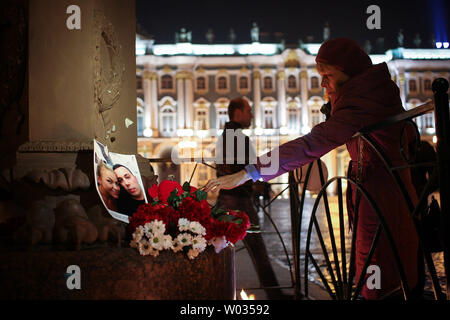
(108, 182)
(332, 78)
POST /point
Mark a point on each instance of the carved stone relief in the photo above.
(68, 179)
(107, 227)
(38, 228)
(72, 225)
(55, 146)
(108, 77)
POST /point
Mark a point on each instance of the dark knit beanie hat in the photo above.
(345, 54)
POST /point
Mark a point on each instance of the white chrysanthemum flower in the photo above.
(167, 241)
(184, 239)
(199, 243)
(146, 227)
(148, 234)
(156, 241)
(144, 247)
(192, 253)
(157, 227)
(176, 246)
(183, 224)
(219, 243)
(197, 228)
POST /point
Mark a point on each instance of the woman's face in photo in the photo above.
(108, 182)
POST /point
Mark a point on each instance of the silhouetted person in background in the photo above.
(241, 198)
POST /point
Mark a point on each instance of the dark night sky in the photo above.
(295, 19)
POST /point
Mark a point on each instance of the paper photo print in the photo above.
(118, 182)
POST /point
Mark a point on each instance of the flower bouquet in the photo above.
(180, 219)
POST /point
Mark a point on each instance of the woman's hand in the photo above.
(227, 182)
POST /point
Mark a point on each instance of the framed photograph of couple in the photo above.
(118, 182)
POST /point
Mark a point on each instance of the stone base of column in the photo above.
(116, 273)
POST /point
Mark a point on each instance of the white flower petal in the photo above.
(197, 228)
(183, 224)
(184, 239)
(199, 243)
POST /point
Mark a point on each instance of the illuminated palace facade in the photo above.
(183, 91)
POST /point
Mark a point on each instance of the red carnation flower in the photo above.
(205, 208)
(165, 188)
(153, 191)
(232, 231)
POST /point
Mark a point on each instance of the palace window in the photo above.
(428, 120)
(222, 83)
(168, 118)
(268, 118)
(412, 85)
(293, 118)
(292, 82)
(314, 83)
(201, 83)
(427, 85)
(243, 83)
(166, 82)
(201, 119)
(222, 118)
(268, 85)
(315, 116)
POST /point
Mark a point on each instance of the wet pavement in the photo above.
(246, 277)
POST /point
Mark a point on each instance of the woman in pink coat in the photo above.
(361, 94)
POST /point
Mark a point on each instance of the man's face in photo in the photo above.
(129, 182)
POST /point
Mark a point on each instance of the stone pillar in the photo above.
(305, 128)
(282, 120)
(189, 95)
(81, 83)
(257, 98)
(180, 98)
(147, 85)
(154, 123)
